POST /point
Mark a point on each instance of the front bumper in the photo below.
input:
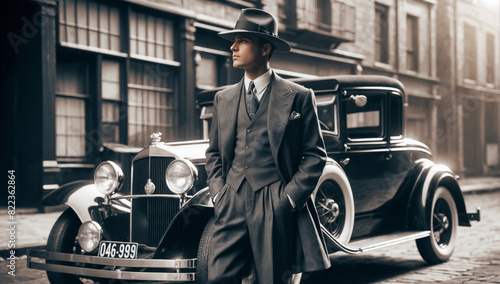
(185, 269)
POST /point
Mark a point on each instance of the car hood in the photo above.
(192, 150)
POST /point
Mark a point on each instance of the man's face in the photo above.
(247, 52)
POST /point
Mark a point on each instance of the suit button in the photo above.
(246, 167)
(247, 147)
(248, 130)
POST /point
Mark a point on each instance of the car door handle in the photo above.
(346, 147)
(345, 161)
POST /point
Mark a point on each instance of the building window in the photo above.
(324, 15)
(284, 10)
(111, 101)
(151, 36)
(470, 50)
(89, 23)
(490, 63)
(212, 68)
(206, 70)
(492, 119)
(412, 43)
(151, 102)
(71, 96)
(381, 33)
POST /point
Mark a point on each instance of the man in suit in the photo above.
(264, 160)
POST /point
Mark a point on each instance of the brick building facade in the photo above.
(469, 73)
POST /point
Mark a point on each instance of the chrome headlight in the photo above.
(89, 236)
(181, 175)
(108, 177)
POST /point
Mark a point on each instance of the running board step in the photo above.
(368, 244)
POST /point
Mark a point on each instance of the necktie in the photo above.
(251, 100)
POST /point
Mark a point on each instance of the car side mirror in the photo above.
(359, 100)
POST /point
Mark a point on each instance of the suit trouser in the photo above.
(252, 223)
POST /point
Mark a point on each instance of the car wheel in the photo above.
(249, 275)
(63, 238)
(203, 248)
(335, 210)
(439, 246)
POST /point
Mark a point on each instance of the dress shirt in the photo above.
(260, 83)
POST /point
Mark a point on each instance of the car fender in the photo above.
(183, 234)
(333, 171)
(430, 177)
(79, 195)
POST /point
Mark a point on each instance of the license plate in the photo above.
(118, 249)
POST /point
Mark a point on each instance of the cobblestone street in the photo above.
(476, 259)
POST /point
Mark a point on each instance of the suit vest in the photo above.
(253, 158)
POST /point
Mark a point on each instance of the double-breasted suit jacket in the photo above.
(298, 151)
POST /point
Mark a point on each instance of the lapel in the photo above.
(228, 104)
(280, 105)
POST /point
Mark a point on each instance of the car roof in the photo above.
(324, 84)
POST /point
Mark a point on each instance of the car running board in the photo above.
(376, 242)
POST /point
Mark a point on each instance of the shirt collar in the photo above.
(261, 82)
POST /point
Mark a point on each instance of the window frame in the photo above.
(323, 15)
(84, 28)
(331, 100)
(222, 65)
(470, 52)
(95, 104)
(396, 114)
(86, 98)
(490, 58)
(412, 52)
(379, 94)
(146, 90)
(119, 102)
(155, 42)
(382, 40)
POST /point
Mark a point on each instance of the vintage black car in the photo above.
(378, 188)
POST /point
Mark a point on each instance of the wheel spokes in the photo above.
(441, 223)
(330, 211)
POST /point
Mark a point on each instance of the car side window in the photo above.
(327, 113)
(396, 115)
(207, 112)
(365, 121)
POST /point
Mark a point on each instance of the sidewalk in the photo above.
(479, 184)
(32, 229)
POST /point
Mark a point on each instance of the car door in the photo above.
(367, 158)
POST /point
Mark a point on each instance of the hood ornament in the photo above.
(150, 187)
(155, 138)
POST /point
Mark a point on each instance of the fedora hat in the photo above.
(259, 23)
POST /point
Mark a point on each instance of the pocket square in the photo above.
(294, 115)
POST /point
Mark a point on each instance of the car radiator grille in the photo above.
(151, 216)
